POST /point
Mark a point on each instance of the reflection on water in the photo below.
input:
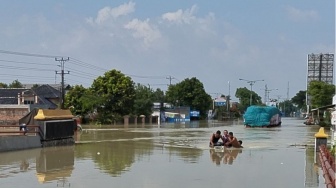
(114, 158)
(226, 156)
(169, 155)
(24, 165)
(311, 169)
(55, 164)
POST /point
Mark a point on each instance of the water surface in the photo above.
(170, 155)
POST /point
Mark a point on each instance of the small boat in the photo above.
(262, 116)
(218, 148)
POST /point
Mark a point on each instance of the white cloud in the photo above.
(106, 13)
(180, 43)
(143, 30)
(298, 15)
(181, 16)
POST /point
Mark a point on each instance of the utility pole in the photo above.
(265, 94)
(287, 91)
(228, 100)
(62, 61)
(170, 79)
(278, 101)
(251, 82)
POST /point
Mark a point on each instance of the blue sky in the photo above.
(217, 42)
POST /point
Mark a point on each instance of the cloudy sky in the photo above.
(218, 41)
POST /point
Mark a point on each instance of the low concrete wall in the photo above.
(10, 114)
(10, 143)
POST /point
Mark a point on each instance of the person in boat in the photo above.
(214, 139)
(225, 136)
(233, 142)
(309, 121)
(241, 143)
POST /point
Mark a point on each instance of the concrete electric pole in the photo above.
(62, 61)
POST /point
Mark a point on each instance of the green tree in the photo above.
(189, 92)
(300, 99)
(244, 94)
(35, 86)
(321, 93)
(15, 84)
(3, 85)
(159, 96)
(287, 108)
(117, 94)
(74, 100)
(143, 102)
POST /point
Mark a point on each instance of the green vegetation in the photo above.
(287, 107)
(321, 93)
(143, 102)
(75, 100)
(14, 84)
(189, 92)
(114, 95)
(244, 94)
(300, 100)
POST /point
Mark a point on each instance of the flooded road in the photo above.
(170, 155)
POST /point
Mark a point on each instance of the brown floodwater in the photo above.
(170, 155)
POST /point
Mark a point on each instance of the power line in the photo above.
(81, 76)
(71, 60)
(27, 54)
(87, 65)
(24, 62)
(23, 68)
(29, 76)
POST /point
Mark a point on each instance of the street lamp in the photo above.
(268, 92)
(251, 82)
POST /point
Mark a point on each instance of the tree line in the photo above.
(114, 95)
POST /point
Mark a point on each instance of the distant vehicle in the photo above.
(262, 116)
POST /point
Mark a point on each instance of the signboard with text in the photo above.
(220, 102)
(194, 113)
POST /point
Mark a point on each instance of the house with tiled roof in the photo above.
(16, 102)
(42, 95)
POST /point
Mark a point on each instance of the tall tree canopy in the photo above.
(158, 95)
(300, 99)
(74, 100)
(143, 102)
(117, 93)
(189, 92)
(244, 94)
(15, 84)
(321, 93)
(3, 85)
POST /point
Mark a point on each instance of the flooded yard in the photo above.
(170, 155)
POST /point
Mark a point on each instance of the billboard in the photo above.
(220, 102)
(320, 67)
